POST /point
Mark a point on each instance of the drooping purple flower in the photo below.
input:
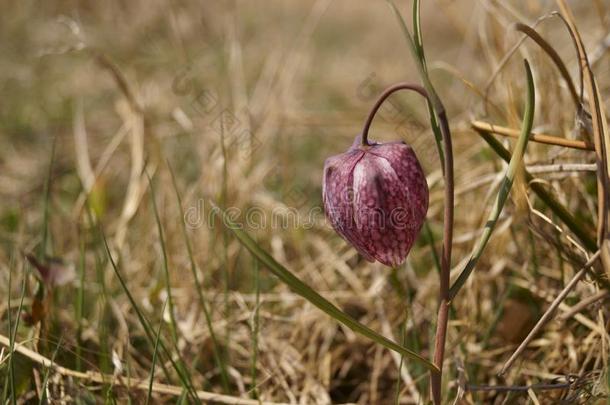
(376, 197)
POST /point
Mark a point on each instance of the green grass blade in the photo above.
(102, 299)
(514, 165)
(9, 375)
(168, 286)
(225, 240)
(13, 337)
(80, 302)
(419, 62)
(255, 328)
(154, 359)
(224, 375)
(313, 297)
(431, 242)
(43, 390)
(418, 39)
(184, 378)
(416, 47)
(45, 205)
(400, 364)
(418, 51)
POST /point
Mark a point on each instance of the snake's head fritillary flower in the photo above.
(376, 197)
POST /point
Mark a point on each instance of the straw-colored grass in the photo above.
(243, 101)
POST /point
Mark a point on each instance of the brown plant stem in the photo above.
(447, 157)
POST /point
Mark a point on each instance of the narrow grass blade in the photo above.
(225, 240)
(102, 330)
(418, 50)
(168, 286)
(8, 379)
(313, 297)
(418, 39)
(184, 378)
(45, 205)
(431, 242)
(419, 59)
(80, 302)
(514, 165)
(255, 327)
(402, 359)
(154, 359)
(43, 394)
(13, 337)
(224, 375)
(416, 47)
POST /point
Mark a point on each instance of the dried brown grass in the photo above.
(291, 83)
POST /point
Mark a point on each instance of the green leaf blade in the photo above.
(313, 297)
(509, 177)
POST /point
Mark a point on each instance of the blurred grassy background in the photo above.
(123, 88)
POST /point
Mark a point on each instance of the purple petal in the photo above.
(337, 194)
(382, 213)
(403, 160)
